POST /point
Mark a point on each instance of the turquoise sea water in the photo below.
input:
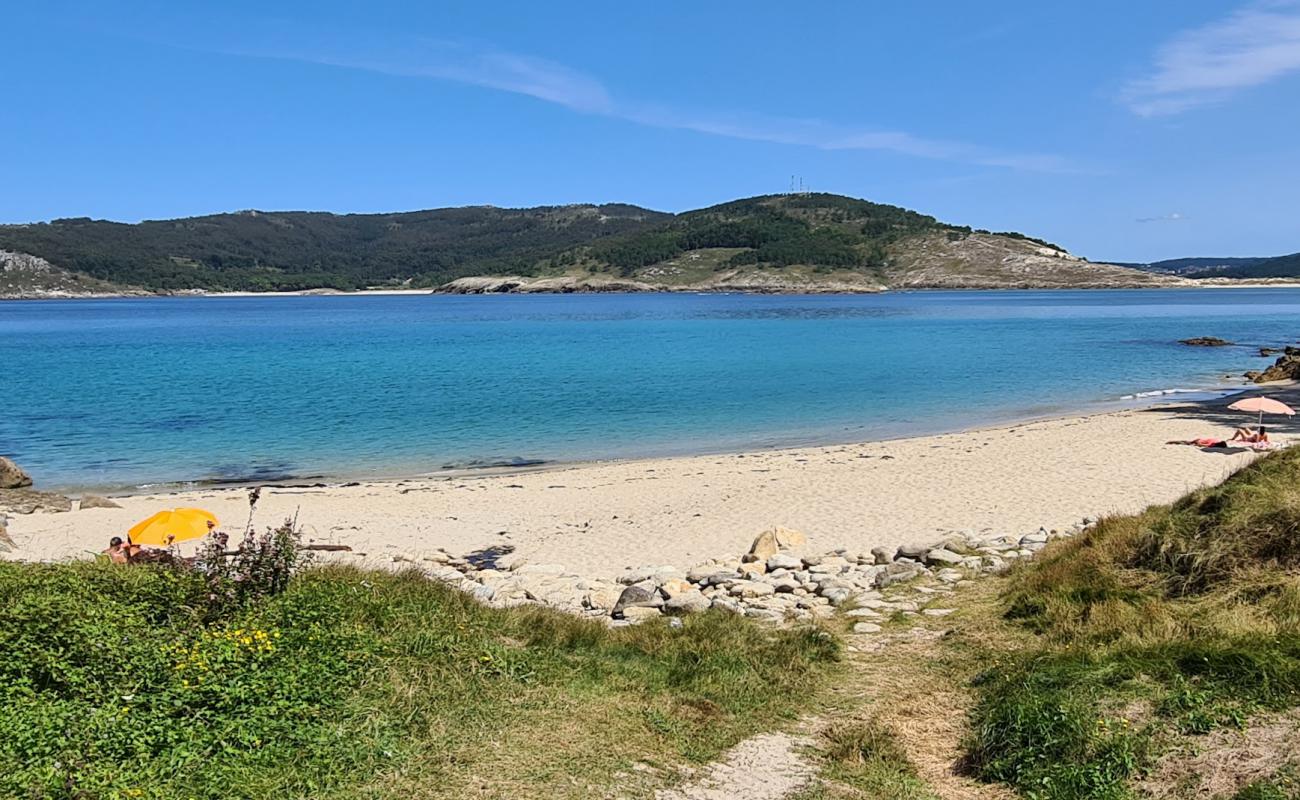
(118, 393)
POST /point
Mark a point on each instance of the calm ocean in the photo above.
(118, 393)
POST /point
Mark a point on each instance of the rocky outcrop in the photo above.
(1286, 368)
(1205, 341)
(514, 284)
(12, 476)
(27, 277)
(28, 501)
(947, 260)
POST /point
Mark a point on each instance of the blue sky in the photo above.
(1121, 130)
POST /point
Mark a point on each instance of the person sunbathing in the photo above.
(1251, 437)
(1205, 441)
(120, 552)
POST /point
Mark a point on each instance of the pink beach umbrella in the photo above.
(1263, 405)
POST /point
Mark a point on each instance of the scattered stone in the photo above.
(752, 589)
(787, 539)
(897, 572)
(866, 627)
(95, 501)
(1034, 538)
(862, 613)
(753, 569)
(949, 575)
(29, 501)
(640, 595)
(783, 561)
(913, 551)
(689, 602)
(763, 548)
(882, 555)
(640, 613)
(938, 612)
(943, 556)
(675, 586)
(12, 476)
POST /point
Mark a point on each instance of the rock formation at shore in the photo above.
(1286, 368)
(17, 496)
(1205, 341)
(12, 476)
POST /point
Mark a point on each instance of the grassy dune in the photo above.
(354, 684)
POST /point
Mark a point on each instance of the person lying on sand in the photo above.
(1206, 441)
(1251, 437)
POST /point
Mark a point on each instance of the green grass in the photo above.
(357, 684)
(1177, 621)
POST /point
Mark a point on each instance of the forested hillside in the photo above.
(793, 242)
(819, 230)
(261, 251)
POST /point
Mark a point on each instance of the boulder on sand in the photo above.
(95, 501)
(12, 476)
(770, 542)
(763, 548)
(638, 595)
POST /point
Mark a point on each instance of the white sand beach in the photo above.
(600, 518)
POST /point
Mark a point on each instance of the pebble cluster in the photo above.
(774, 580)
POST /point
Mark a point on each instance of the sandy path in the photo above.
(599, 518)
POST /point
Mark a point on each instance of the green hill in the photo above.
(259, 251)
(797, 242)
(1279, 267)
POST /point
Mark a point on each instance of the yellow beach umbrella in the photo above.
(176, 525)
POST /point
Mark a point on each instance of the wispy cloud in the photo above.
(556, 83)
(1254, 45)
(1174, 217)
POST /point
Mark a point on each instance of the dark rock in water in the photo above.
(638, 595)
(95, 501)
(1269, 351)
(29, 501)
(1286, 368)
(1205, 341)
(12, 476)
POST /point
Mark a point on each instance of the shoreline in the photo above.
(785, 441)
(601, 518)
(1242, 283)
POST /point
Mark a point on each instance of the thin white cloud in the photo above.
(1252, 46)
(1174, 217)
(556, 83)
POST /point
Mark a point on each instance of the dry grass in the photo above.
(1225, 762)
